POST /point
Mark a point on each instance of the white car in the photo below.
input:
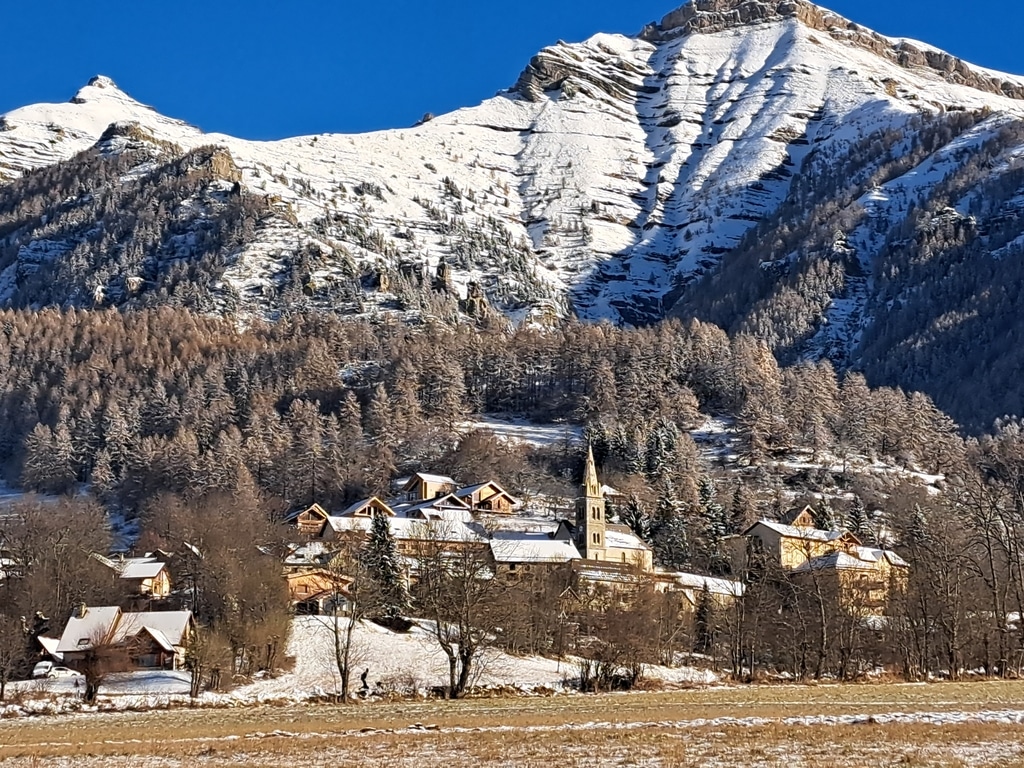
(63, 672)
(48, 670)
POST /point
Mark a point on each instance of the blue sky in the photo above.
(263, 69)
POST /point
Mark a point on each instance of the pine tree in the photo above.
(634, 450)
(825, 517)
(715, 523)
(661, 450)
(859, 523)
(704, 622)
(669, 535)
(637, 518)
(306, 457)
(919, 532)
(380, 557)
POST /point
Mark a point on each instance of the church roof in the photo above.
(524, 547)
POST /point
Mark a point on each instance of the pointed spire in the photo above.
(591, 485)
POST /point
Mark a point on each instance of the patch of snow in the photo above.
(527, 433)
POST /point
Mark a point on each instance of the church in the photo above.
(600, 540)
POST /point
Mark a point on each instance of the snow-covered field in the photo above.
(406, 664)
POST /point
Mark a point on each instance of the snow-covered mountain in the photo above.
(765, 164)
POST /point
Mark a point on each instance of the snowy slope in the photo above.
(616, 172)
(406, 664)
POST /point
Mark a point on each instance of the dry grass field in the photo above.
(877, 725)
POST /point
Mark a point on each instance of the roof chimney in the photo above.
(83, 609)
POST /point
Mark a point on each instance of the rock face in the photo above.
(711, 16)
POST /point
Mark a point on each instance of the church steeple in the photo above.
(591, 486)
(591, 525)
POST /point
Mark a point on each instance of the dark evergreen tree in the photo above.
(704, 622)
(825, 517)
(858, 522)
(670, 536)
(715, 526)
(635, 515)
(380, 558)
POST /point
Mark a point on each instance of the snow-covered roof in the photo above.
(806, 534)
(173, 624)
(529, 524)
(305, 554)
(450, 501)
(412, 529)
(82, 631)
(161, 639)
(428, 477)
(714, 586)
(840, 561)
(871, 554)
(363, 504)
(141, 568)
(451, 514)
(471, 490)
(50, 645)
(597, 573)
(523, 547)
(621, 540)
(110, 624)
(292, 516)
(859, 558)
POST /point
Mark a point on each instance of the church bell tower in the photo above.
(591, 524)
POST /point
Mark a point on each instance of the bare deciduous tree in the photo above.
(456, 590)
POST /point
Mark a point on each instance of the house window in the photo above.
(597, 538)
(511, 566)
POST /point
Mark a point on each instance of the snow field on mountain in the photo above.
(635, 174)
(528, 433)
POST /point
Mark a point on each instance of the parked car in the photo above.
(48, 670)
(63, 672)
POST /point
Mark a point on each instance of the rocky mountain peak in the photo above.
(102, 81)
(713, 16)
(718, 15)
(99, 87)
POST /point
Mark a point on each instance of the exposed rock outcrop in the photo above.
(710, 16)
(560, 67)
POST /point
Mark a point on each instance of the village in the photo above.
(587, 587)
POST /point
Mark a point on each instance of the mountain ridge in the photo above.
(621, 178)
(709, 16)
